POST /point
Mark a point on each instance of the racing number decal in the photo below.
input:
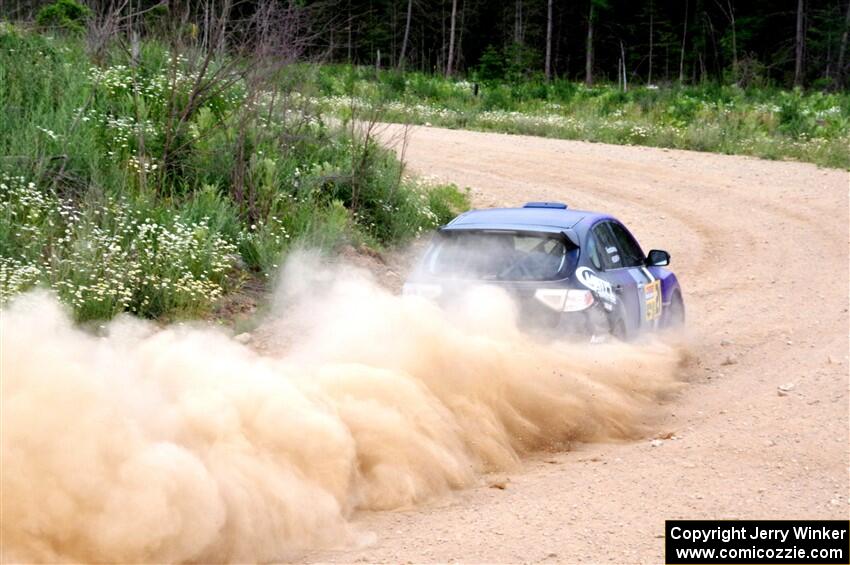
(652, 294)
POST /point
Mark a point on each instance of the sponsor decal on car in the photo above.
(601, 287)
(652, 293)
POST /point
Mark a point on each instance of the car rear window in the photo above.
(500, 256)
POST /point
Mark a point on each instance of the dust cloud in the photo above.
(180, 444)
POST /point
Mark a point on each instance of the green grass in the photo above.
(92, 210)
(767, 122)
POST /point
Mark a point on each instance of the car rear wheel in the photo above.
(617, 324)
(602, 325)
(618, 329)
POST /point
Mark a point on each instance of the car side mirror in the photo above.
(658, 258)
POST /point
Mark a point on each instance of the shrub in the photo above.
(771, 123)
(491, 65)
(394, 82)
(108, 258)
(497, 97)
(90, 212)
(446, 202)
(64, 14)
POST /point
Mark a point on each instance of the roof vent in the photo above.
(555, 205)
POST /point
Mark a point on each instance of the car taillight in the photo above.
(578, 300)
(565, 300)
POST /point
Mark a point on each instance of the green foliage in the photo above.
(394, 83)
(63, 14)
(110, 256)
(511, 64)
(497, 97)
(748, 43)
(764, 122)
(519, 58)
(491, 66)
(447, 201)
(91, 213)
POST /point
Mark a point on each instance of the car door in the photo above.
(614, 267)
(648, 286)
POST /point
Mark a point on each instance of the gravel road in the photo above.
(761, 430)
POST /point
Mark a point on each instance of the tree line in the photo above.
(787, 42)
(749, 42)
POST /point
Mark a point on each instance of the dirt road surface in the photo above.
(761, 250)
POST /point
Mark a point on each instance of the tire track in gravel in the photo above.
(761, 248)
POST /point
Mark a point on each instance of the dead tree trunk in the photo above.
(734, 40)
(843, 49)
(349, 32)
(729, 12)
(799, 44)
(619, 73)
(684, 41)
(440, 68)
(559, 40)
(588, 58)
(406, 35)
(548, 69)
(450, 59)
(651, 40)
(623, 58)
(461, 28)
(518, 22)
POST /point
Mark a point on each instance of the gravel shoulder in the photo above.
(761, 250)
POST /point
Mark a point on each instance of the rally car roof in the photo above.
(544, 217)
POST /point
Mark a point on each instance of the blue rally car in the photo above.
(571, 271)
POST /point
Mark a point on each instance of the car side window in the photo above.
(609, 250)
(630, 252)
(592, 249)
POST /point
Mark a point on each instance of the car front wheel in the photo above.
(674, 316)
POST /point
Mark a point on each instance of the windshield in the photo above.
(509, 256)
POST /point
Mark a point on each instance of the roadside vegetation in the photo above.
(767, 122)
(156, 157)
(151, 177)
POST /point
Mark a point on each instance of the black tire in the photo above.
(618, 325)
(674, 316)
(618, 329)
(603, 325)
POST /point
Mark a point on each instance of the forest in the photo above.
(750, 43)
(753, 42)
